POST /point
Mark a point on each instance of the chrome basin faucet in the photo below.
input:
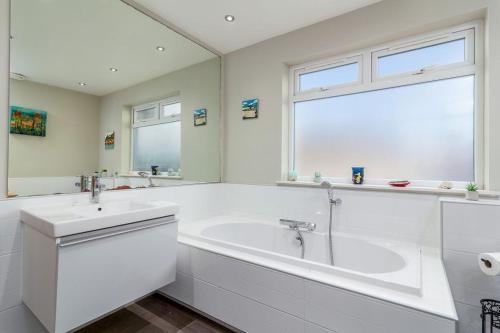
(95, 188)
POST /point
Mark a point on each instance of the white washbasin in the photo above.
(58, 221)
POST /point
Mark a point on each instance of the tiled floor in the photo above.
(155, 314)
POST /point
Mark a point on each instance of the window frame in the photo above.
(157, 120)
(473, 65)
(328, 64)
(396, 48)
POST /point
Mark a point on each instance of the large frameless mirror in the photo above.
(97, 87)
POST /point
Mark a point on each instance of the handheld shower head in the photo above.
(326, 184)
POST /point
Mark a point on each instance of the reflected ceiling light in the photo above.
(229, 18)
(113, 69)
(160, 48)
(82, 84)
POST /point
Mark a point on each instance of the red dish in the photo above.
(399, 183)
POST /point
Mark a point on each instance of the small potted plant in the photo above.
(471, 192)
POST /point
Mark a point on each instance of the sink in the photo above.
(83, 261)
(64, 220)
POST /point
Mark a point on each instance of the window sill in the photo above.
(387, 188)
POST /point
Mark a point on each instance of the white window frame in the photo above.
(466, 34)
(158, 119)
(473, 65)
(328, 64)
(139, 108)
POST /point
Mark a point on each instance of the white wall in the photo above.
(255, 150)
(69, 149)
(470, 229)
(199, 87)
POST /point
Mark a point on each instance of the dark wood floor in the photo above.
(155, 314)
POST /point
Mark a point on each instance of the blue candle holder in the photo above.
(358, 175)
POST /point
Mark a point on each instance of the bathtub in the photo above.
(247, 271)
(380, 262)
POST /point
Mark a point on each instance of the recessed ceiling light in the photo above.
(229, 18)
(113, 69)
(160, 48)
(82, 84)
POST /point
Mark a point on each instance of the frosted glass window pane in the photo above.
(329, 77)
(169, 110)
(414, 60)
(157, 145)
(145, 114)
(419, 132)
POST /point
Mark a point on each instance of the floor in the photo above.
(155, 314)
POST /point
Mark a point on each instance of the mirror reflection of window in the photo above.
(157, 137)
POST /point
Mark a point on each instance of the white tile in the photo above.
(10, 226)
(10, 263)
(469, 318)
(339, 310)
(19, 320)
(10, 298)
(408, 217)
(471, 228)
(10, 243)
(278, 290)
(468, 283)
(236, 310)
(311, 328)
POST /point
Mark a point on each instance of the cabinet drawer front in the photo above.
(99, 276)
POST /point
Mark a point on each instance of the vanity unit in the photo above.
(82, 261)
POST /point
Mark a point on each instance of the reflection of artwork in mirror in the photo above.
(109, 141)
(200, 117)
(27, 121)
(250, 108)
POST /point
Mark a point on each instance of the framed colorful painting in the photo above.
(250, 108)
(200, 117)
(28, 121)
(109, 140)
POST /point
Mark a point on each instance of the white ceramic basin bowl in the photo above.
(58, 221)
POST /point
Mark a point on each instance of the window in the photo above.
(448, 51)
(412, 114)
(343, 72)
(156, 135)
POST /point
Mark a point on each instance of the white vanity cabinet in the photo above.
(71, 280)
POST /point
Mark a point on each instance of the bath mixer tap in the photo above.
(298, 227)
(293, 224)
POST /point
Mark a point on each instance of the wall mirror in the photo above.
(96, 86)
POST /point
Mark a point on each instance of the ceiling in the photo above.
(64, 42)
(256, 20)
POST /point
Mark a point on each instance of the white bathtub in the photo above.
(247, 272)
(384, 263)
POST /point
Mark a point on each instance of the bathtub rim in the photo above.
(409, 252)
